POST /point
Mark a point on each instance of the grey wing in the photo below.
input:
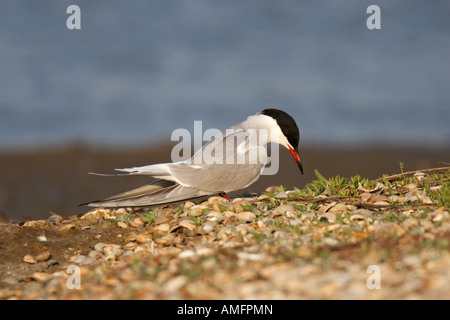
(216, 178)
(226, 163)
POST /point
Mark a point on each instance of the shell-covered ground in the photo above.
(338, 238)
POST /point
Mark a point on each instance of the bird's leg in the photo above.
(224, 195)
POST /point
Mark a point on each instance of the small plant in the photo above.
(247, 207)
(178, 211)
(339, 218)
(222, 208)
(440, 196)
(300, 207)
(197, 222)
(402, 166)
(334, 186)
(274, 202)
(258, 236)
(149, 217)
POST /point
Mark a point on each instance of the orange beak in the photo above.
(296, 158)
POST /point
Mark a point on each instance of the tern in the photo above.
(236, 161)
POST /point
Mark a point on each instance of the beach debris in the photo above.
(378, 187)
(316, 242)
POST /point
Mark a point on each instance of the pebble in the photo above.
(188, 224)
(122, 224)
(186, 254)
(224, 233)
(419, 175)
(137, 222)
(242, 229)
(121, 212)
(99, 246)
(246, 216)
(281, 195)
(411, 197)
(438, 217)
(294, 222)
(42, 256)
(325, 208)
(95, 215)
(411, 186)
(130, 246)
(163, 218)
(332, 227)
(36, 224)
(209, 227)
(188, 204)
(192, 253)
(273, 189)
(251, 256)
(29, 259)
(339, 207)
(409, 223)
(330, 241)
(95, 254)
(307, 215)
(40, 276)
(164, 227)
(84, 260)
(67, 227)
(286, 210)
(174, 284)
(381, 203)
(197, 210)
(378, 198)
(388, 229)
(213, 200)
(238, 201)
(42, 238)
(215, 216)
(412, 261)
(330, 216)
(399, 199)
(143, 238)
(111, 252)
(360, 217)
(11, 281)
(364, 212)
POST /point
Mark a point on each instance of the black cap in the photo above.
(287, 125)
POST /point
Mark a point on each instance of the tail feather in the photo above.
(150, 170)
(148, 188)
(149, 195)
(110, 174)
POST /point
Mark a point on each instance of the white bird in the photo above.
(230, 167)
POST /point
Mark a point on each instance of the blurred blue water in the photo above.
(139, 69)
